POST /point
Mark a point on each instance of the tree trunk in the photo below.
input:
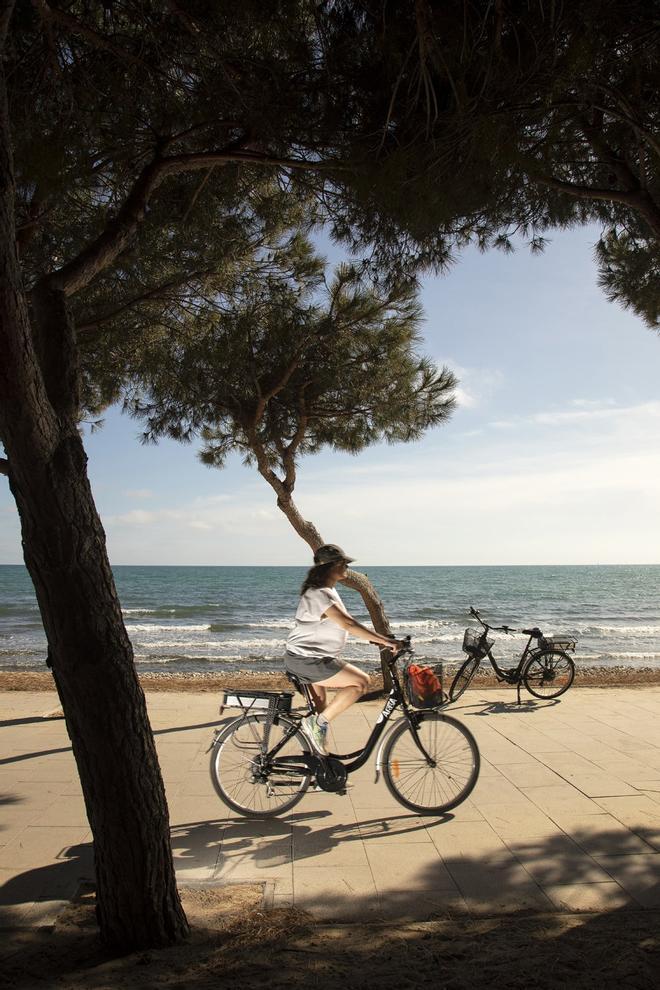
(359, 582)
(90, 654)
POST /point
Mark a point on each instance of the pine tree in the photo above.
(285, 364)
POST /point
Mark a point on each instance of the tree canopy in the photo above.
(290, 362)
(411, 128)
(478, 121)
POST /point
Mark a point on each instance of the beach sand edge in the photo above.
(593, 677)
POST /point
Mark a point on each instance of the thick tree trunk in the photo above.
(359, 582)
(90, 654)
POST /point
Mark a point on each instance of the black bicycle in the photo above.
(545, 668)
(262, 764)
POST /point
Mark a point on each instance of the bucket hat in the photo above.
(329, 553)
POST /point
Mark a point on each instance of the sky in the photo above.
(550, 458)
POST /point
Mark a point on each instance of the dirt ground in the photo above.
(235, 943)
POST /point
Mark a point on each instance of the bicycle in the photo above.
(545, 670)
(262, 764)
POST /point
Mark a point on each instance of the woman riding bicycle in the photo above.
(315, 643)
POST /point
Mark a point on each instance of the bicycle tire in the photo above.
(431, 790)
(541, 670)
(463, 677)
(233, 763)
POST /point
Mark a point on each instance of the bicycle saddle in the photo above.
(535, 632)
(297, 683)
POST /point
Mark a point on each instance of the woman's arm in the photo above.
(351, 625)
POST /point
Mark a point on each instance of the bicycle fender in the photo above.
(381, 747)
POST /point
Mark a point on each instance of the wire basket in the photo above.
(423, 685)
(566, 645)
(476, 644)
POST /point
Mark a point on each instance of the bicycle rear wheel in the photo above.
(247, 778)
(463, 677)
(548, 674)
(431, 790)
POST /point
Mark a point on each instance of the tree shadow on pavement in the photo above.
(492, 944)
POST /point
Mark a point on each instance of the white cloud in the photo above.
(136, 517)
(476, 386)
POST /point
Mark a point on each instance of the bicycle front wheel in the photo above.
(549, 674)
(249, 777)
(463, 677)
(431, 789)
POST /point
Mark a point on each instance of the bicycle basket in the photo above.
(557, 644)
(423, 685)
(476, 644)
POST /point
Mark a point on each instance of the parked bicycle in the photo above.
(262, 764)
(544, 668)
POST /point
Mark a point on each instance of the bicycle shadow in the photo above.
(526, 707)
(298, 836)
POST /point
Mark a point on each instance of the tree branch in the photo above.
(95, 39)
(588, 192)
(154, 293)
(80, 271)
(289, 452)
(4, 466)
(600, 146)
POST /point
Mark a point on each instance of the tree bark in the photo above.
(90, 654)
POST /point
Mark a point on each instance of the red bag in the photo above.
(424, 685)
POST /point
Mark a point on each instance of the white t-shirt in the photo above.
(312, 635)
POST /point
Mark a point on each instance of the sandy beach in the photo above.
(586, 677)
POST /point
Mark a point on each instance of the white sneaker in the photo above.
(315, 733)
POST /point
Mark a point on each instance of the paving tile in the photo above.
(311, 851)
(607, 896)
(519, 818)
(504, 885)
(474, 841)
(43, 845)
(529, 774)
(492, 790)
(416, 868)
(561, 797)
(599, 784)
(558, 861)
(640, 814)
(420, 905)
(395, 826)
(332, 894)
(603, 835)
(638, 875)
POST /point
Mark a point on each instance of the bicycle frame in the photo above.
(358, 758)
(515, 675)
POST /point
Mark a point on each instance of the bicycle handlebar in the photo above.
(407, 648)
(487, 626)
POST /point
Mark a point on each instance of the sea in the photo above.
(207, 619)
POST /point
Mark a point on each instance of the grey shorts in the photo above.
(310, 670)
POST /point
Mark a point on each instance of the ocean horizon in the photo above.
(201, 619)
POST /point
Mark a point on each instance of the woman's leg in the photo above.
(319, 696)
(350, 683)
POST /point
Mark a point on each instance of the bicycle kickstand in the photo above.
(518, 692)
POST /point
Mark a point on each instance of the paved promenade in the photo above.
(565, 816)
